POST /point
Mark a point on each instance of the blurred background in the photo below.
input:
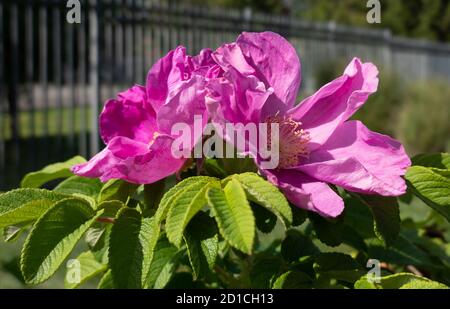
(55, 76)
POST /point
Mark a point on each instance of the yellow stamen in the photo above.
(293, 141)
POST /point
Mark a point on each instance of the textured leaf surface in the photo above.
(267, 195)
(187, 203)
(80, 185)
(202, 243)
(338, 266)
(233, 215)
(437, 160)
(432, 186)
(163, 265)
(116, 189)
(293, 280)
(129, 249)
(25, 205)
(53, 237)
(399, 281)
(386, 214)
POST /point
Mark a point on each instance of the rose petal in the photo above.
(334, 103)
(129, 116)
(132, 161)
(360, 160)
(306, 192)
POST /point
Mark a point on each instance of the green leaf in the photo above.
(297, 245)
(267, 195)
(298, 215)
(329, 232)
(129, 258)
(265, 267)
(82, 269)
(165, 260)
(169, 197)
(233, 215)
(12, 233)
(293, 280)
(117, 189)
(50, 172)
(386, 214)
(185, 206)
(338, 266)
(80, 185)
(264, 219)
(111, 208)
(106, 282)
(399, 281)
(437, 160)
(402, 252)
(25, 205)
(215, 168)
(359, 217)
(53, 237)
(153, 193)
(202, 243)
(432, 186)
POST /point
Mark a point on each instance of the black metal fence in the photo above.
(55, 76)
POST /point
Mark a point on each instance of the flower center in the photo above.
(293, 141)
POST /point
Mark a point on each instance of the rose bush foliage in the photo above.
(343, 204)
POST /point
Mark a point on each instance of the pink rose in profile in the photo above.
(136, 127)
(319, 145)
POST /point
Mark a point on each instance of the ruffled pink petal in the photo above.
(336, 102)
(306, 192)
(275, 61)
(184, 103)
(132, 161)
(129, 115)
(175, 68)
(271, 59)
(360, 160)
(203, 60)
(164, 74)
(236, 98)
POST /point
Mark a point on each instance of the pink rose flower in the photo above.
(136, 127)
(319, 145)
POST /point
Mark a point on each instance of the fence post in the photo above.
(94, 71)
(247, 15)
(387, 50)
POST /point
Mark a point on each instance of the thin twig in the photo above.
(414, 270)
(106, 220)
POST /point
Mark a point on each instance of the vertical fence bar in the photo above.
(57, 77)
(129, 41)
(13, 87)
(29, 76)
(94, 70)
(119, 46)
(139, 41)
(71, 108)
(82, 85)
(43, 81)
(109, 48)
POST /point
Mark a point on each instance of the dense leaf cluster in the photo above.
(228, 228)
